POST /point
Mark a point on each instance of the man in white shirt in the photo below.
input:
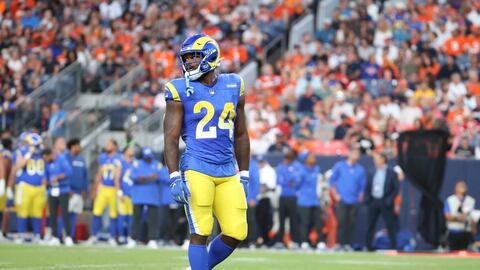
(456, 88)
(457, 210)
(341, 107)
(268, 182)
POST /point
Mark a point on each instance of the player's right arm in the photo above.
(172, 128)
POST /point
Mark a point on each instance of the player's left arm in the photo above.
(242, 141)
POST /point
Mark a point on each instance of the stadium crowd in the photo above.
(108, 38)
(371, 72)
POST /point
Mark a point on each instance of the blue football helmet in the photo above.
(204, 48)
(33, 139)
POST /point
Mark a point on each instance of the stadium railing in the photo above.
(94, 110)
(325, 11)
(64, 86)
(304, 25)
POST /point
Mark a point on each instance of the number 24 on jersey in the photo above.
(225, 121)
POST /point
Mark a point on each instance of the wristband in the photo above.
(245, 173)
(28, 155)
(174, 174)
(119, 193)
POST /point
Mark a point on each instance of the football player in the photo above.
(5, 168)
(206, 109)
(106, 191)
(125, 206)
(30, 189)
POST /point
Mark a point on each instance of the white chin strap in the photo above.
(193, 74)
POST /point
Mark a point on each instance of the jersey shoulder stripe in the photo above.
(171, 92)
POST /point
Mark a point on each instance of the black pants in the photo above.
(53, 204)
(252, 225)
(288, 208)
(346, 215)
(264, 217)
(169, 218)
(152, 222)
(459, 241)
(310, 217)
(375, 209)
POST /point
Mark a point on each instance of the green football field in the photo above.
(35, 257)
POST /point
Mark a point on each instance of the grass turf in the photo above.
(33, 257)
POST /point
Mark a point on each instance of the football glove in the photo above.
(244, 179)
(179, 188)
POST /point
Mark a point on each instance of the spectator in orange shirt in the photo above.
(235, 56)
(473, 85)
(429, 67)
(455, 45)
(143, 103)
(458, 111)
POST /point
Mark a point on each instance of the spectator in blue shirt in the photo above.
(146, 194)
(56, 125)
(309, 211)
(327, 34)
(58, 173)
(78, 181)
(347, 181)
(125, 206)
(289, 174)
(170, 212)
(253, 191)
(30, 20)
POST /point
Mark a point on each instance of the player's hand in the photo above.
(179, 188)
(244, 179)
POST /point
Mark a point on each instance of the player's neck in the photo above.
(209, 79)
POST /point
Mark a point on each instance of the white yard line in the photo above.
(76, 266)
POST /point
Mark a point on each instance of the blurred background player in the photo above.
(5, 169)
(78, 181)
(30, 186)
(310, 214)
(146, 195)
(207, 110)
(106, 191)
(125, 206)
(58, 173)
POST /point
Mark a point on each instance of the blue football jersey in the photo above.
(108, 166)
(208, 123)
(34, 171)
